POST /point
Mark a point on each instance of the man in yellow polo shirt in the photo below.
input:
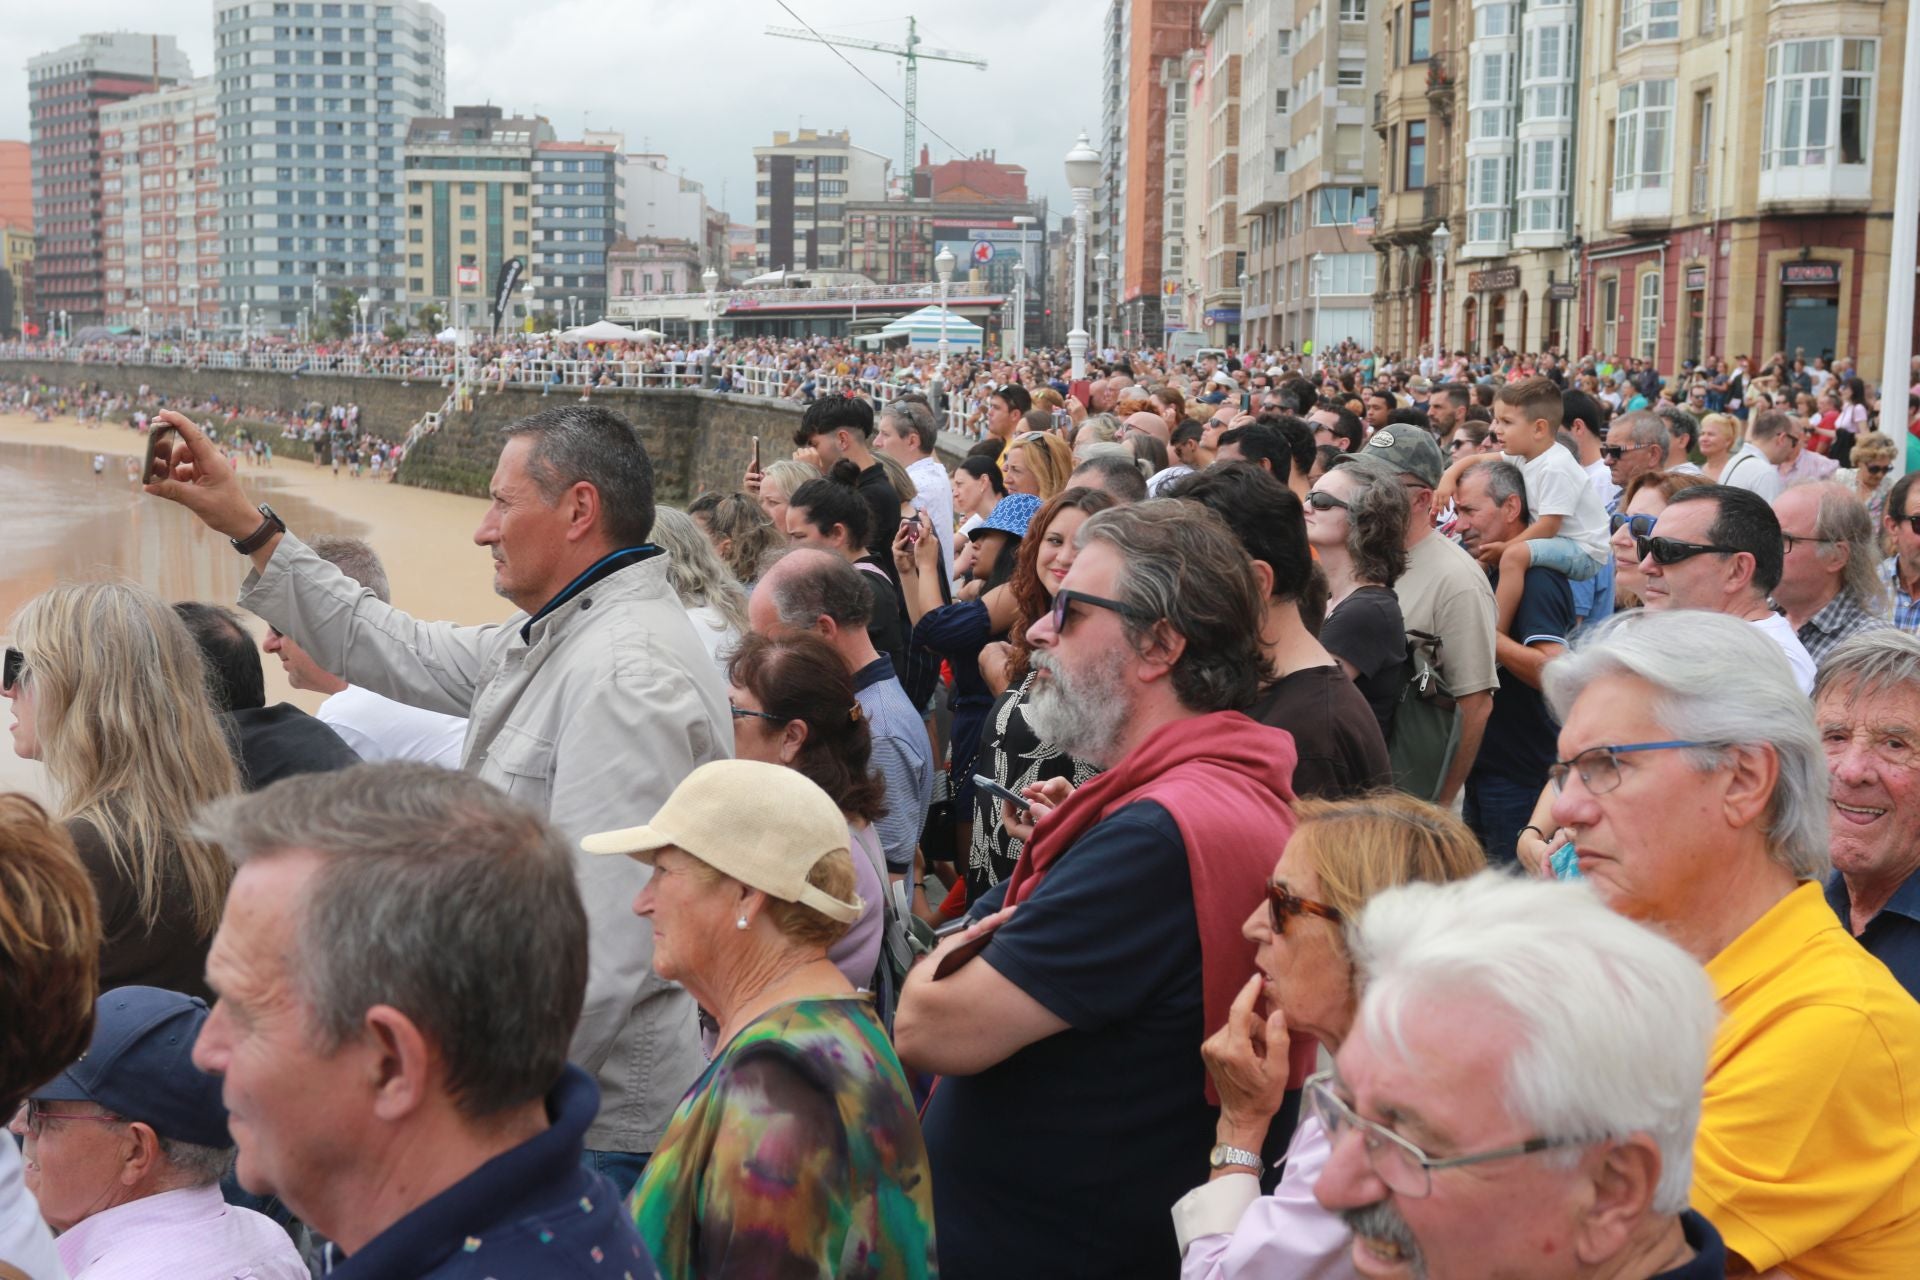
(1694, 786)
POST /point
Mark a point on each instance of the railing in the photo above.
(735, 301)
(1442, 78)
(549, 374)
(1380, 110)
(1432, 203)
(1698, 201)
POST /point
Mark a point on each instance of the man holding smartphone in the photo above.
(908, 435)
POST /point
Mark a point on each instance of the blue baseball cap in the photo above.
(140, 1066)
(1012, 514)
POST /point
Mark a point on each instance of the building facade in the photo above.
(654, 266)
(469, 210)
(1739, 174)
(66, 89)
(314, 103)
(17, 306)
(803, 183)
(16, 184)
(160, 210)
(664, 205)
(578, 207)
(1107, 229)
(1159, 33)
(1217, 120)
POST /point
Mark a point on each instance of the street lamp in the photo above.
(573, 311)
(366, 305)
(1083, 171)
(246, 332)
(1441, 238)
(1318, 263)
(1100, 263)
(146, 330)
(710, 281)
(943, 267)
(1019, 307)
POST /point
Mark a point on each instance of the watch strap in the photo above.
(1224, 1156)
(270, 524)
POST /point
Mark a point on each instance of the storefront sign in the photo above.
(1562, 292)
(1696, 277)
(1809, 273)
(1224, 315)
(1494, 281)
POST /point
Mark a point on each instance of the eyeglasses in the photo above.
(1283, 905)
(1321, 500)
(1062, 599)
(1641, 525)
(1668, 551)
(38, 1115)
(16, 664)
(739, 711)
(1790, 540)
(1598, 769)
(1615, 452)
(1876, 471)
(1402, 1168)
(1455, 446)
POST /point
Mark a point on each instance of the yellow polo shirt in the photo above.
(1808, 1155)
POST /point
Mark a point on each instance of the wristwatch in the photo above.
(1226, 1157)
(270, 524)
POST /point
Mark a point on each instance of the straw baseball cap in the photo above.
(763, 824)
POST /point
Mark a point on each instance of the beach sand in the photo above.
(61, 523)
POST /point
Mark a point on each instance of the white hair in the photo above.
(1716, 679)
(1615, 1022)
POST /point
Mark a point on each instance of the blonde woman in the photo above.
(777, 484)
(1867, 478)
(715, 601)
(108, 691)
(1037, 463)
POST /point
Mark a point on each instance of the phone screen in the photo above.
(1011, 796)
(756, 453)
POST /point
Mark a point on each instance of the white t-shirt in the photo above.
(1749, 469)
(935, 498)
(26, 1245)
(1781, 632)
(1557, 485)
(1602, 478)
(715, 633)
(379, 728)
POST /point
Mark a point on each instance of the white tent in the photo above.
(648, 335)
(923, 328)
(600, 331)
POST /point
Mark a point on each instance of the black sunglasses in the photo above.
(1062, 599)
(16, 666)
(1321, 500)
(1876, 471)
(1666, 551)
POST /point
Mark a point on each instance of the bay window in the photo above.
(1819, 103)
(1643, 138)
(1644, 20)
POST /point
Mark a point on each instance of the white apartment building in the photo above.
(160, 210)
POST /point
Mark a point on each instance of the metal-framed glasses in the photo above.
(1667, 551)
(1402, 1168)
(1321, 500)
(1064, 599)
(37, 1116)
(14, 668)
(1283, 904)
(739, 712)
(1599, 770)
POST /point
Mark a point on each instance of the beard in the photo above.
(1379, 1222)
(1084, 714)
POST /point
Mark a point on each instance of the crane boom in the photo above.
(911, 51)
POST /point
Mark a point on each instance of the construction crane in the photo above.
(911, 51)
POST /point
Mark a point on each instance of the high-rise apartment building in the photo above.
(314, 102)
(1158, 35)
(469, 209)
(1216, 171)
(802, 186)
(160, 210)
(578, 206)
(1739, 173)
(66, 89)
(1107, 221)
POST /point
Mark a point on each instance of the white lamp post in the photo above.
(1319, 262)
(1100, 264)
(1083, 171)
(573, 311)
(366, 306)
(146, 329)
(943, 268)
(1441, 239)
(710, 281)
(246, 333)
(1019, 308)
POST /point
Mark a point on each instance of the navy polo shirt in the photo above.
(1893, 935)
(532, 1213)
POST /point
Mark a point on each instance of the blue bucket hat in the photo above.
(1011, 515)
(140, 1066)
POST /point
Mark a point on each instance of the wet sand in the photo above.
(60, 523)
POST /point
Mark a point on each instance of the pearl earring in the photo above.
(741, 923)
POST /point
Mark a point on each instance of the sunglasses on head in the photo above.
(15, 667)
(1666, 551)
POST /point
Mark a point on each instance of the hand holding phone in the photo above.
(756, 455)
(974, 940)
(1007, 794)
(160, 433)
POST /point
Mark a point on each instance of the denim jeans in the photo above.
(621, 1168)
(1494, 810)
(1563, 555)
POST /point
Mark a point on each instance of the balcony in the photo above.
(1442, 81)
(1380, 111)
(1433, 203)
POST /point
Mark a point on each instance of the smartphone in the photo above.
(949, 961)
(912, 527)
(1061, 418)
(756, 455)
(952, 927)
(157, 436)
(1012, 797)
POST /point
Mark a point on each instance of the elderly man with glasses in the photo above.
(1719, 548)
(1520, 1091)
(1829, 584)
(1692, 785)
(1636, 443)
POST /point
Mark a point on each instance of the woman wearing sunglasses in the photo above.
(1867, 477)
(1343, 853)
(108, 690)
(1641, 503)
(1357, 522)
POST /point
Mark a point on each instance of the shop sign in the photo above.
(1562, 292)
(1809, 273)
(1495, 280)
(1223, 315)
(1696, 277)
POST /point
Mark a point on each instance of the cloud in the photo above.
(697, 79)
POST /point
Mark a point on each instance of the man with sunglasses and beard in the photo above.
(1073, 1109)
(1719, 548)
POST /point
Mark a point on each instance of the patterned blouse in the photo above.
(797, 1153)
(1013, 755)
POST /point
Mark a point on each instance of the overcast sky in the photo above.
(697, 80)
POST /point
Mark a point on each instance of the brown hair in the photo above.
(1365, 845)
(1048, 457)
(738, 520)
(1535, 397)
(832, 875)
(1030, 599)
(801, 677)
(49, 950)
(1667, 483)
(1171, 396)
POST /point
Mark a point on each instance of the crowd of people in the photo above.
(1247, 818)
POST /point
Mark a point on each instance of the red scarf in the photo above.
(1228, 784)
